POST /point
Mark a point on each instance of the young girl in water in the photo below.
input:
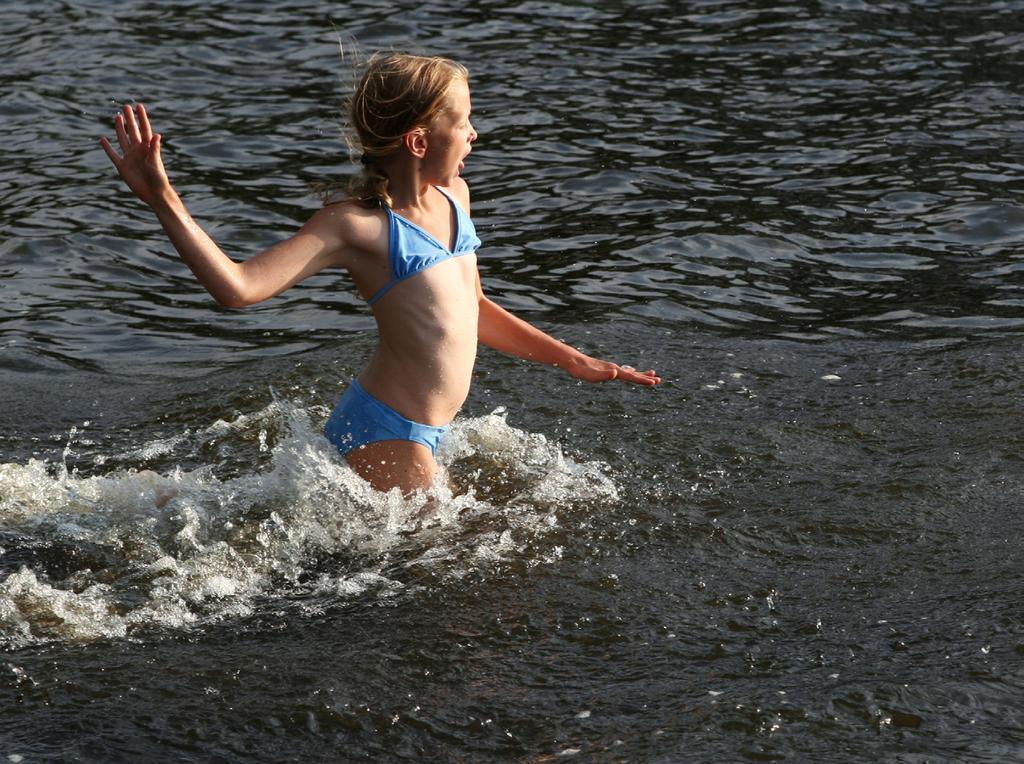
(406, 239)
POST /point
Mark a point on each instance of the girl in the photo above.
(406, 239)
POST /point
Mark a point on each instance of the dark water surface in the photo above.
(804, 546)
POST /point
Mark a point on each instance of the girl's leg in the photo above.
(386, 464)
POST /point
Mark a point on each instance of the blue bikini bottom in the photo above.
(359, 419)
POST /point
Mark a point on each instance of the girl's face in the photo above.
(450, 137)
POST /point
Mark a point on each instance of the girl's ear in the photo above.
(416, 142)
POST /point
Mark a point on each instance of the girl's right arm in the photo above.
(317, 245)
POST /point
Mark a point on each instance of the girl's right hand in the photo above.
(139, 163)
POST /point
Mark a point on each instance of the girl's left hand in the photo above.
(594, 370)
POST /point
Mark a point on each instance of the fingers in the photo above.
(647, 378)
(135, 137)
(145, 129)
(131, 125)
(606, 371)
(629, 374)
(111, 151)
(122, 136)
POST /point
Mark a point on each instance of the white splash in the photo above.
(115, 555)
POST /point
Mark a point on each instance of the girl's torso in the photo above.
(421, 281)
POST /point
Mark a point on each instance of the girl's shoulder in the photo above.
(347, 218)
(349, 225)
(459, 191)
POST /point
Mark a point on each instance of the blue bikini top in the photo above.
(411, 249)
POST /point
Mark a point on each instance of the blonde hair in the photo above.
(397, 93)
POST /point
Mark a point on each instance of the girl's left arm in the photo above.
(507, 333)
(499, 329)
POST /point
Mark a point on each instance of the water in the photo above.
(804, 546)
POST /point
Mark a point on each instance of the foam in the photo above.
(131, 551)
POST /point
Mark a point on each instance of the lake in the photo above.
(803, 546)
